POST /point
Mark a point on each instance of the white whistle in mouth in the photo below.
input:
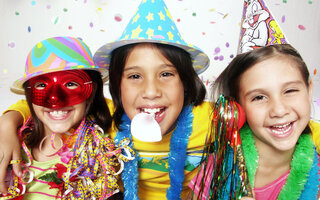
(145, 128)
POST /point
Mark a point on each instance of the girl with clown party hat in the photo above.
(65, 152)
(280, 143)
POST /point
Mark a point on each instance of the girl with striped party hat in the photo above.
(66, 153)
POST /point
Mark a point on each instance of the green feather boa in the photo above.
(301, 163)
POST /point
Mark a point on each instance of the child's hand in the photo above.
(9, 145)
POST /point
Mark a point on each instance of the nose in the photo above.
(55, 95)
(151, 89)
(278, 107)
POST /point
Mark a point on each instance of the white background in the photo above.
(212, 25)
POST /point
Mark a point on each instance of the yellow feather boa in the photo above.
(315, 129)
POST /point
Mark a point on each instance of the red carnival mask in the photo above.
(60, 89)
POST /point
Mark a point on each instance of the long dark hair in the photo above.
(194, 89)
(96, 107)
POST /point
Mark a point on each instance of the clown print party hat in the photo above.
(153, 23)
(56, 54)
(258, 27)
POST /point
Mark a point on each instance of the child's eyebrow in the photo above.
(130, 68)
(127, 68)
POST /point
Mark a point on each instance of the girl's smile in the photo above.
(157, 112)
(60, 120)
(59, 114)
(282, 131)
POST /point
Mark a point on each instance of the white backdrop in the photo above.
(212, 25)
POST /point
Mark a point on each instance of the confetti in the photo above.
(221, 58)
(55, 20)
(284, 1)
(33, 3)
(227, 44)
(231, 56)
(301, 27)
(48, 6)
(65, 10)
(194, 14)
(11, 44)
(5, 71)
(309, 2)
(17, 13)
(226, 15)
(29, 29)
(318, 101)
(91, 24)
(178, 20)
(118, 17)
(216, 50)
(283, 19)
(314, 71)
(203, 33)
(70, 27)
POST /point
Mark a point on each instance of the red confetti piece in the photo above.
(203, 33)
(301, 27)
(314, 71)
(178, 20)
(118, 17)
(69, 27)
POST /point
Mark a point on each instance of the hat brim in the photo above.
(199, 58)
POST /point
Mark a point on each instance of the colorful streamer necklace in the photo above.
(303, 179)
(89, 172)
(177, 156)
